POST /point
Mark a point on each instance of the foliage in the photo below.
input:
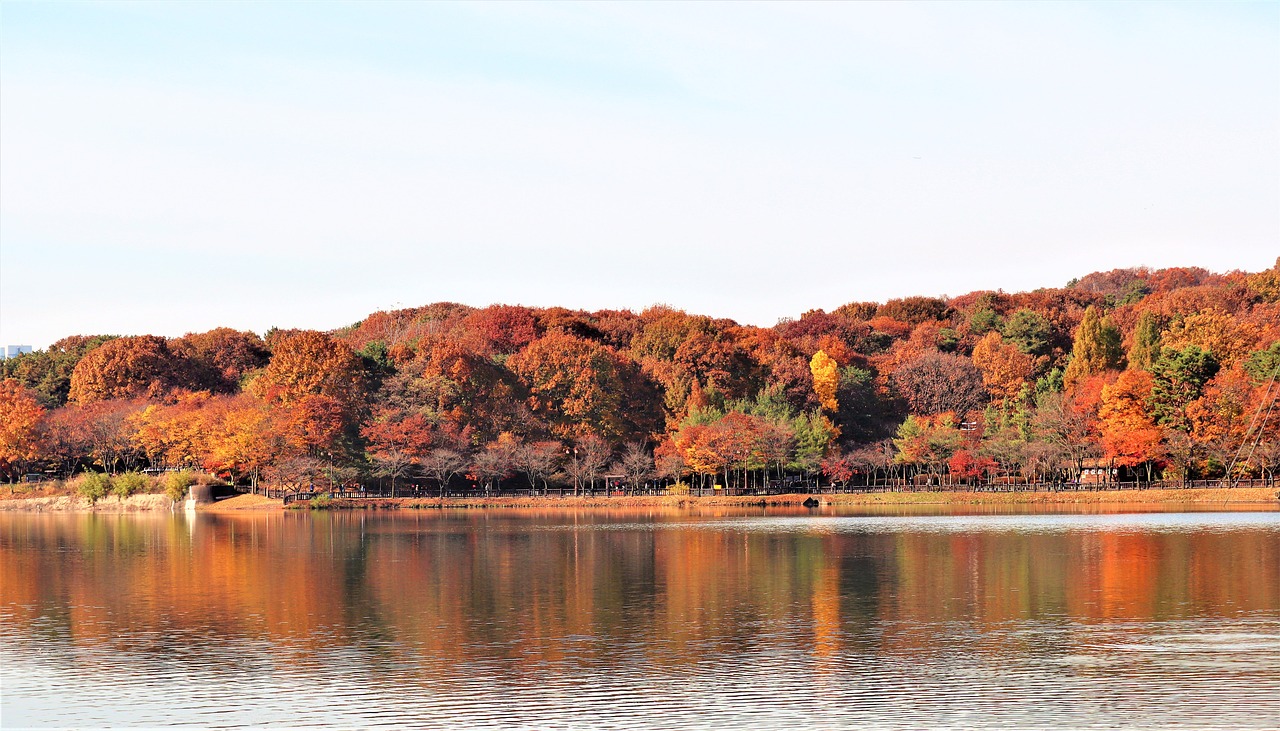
(1263, 365)
(48, 372)
(220, 358)
(1178, 379)
(965, 465)
(583, 381)
(937, 383)
(839, 467)
(94, 486)
(915, 310)
(1146, 342)
(867, 411)
(1266, 285)
(1005, 368)
(1096, 348)
(132, 367)
(1030, 332)
(129, 483)
(20, 417)
(1129, 434)
(307, 363)
(510, 394)
(1214, 331)
(984, 321)
(1051, 382)
(176, 484)
(813, 434)
(826, 379)
(927, 441)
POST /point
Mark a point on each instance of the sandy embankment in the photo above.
(241, 503)
(132, 504)
(77, 504)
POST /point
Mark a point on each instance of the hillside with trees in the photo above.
(1129, 374)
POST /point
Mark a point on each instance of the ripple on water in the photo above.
(887, 634)
(773, 687)
(820, 524)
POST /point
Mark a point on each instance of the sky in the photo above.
(173, 167)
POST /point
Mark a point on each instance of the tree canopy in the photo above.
(1154, 370)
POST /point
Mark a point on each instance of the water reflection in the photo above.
(640, 618)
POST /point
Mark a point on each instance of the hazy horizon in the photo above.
(356, 318)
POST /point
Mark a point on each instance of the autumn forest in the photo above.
(1130, 374)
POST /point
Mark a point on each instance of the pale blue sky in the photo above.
(171, 167)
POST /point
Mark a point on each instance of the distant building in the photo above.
(13, 351)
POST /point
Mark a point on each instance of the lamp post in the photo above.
(572, 455)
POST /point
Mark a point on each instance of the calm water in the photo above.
(643, 619)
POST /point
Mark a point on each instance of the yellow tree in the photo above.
(1096, 348)
(242, 441)
(826, 379)
(1214, 331)
(1266, 284)
(176, 434)
(1146, 342)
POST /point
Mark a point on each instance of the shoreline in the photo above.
(1263, 498)
(142, 503)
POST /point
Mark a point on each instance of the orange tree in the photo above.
(1130, 437)
(20, 417)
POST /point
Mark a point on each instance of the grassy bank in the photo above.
(104, 493)
(95, 486)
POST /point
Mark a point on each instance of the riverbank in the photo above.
(144, 503)
(242, 503)
(1240, 497)
(1263, 497)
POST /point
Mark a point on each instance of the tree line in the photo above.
(1163, 374)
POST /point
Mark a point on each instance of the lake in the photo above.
(641, 619)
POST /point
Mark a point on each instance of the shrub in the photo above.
(177, 483)
(320, 502)
(204, 478)
(94, 486)
(129, 483)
